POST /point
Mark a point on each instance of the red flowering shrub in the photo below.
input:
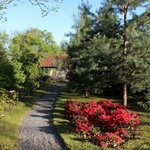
(103, 123)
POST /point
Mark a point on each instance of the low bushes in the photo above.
(12, 112)
(103, 123)
(8, 99)
(145, 103)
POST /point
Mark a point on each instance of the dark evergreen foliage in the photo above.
(111, 47)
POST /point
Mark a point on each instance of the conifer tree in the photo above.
(127, 40)
(103, 46)
(78, 50)
(118, 51)
(133, 27)
(97, 51)
(128, 50)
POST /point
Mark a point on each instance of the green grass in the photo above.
(9, 124)
(74, 142)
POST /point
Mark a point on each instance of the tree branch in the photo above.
(120, 7)
(140, 24)
(144, 53)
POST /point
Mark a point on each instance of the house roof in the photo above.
(52, 60)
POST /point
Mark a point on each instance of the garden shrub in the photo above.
(8, 99)
(31, 86)
(145, 104)
(72, 87)
(147, 97)
(103, 123)
(45, 78)
(52, 81)
(49, 80)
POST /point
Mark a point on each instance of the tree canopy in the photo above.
(21, 55)
(111, 46)
(7, 75)
(28, 49)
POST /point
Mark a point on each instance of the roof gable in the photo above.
(52, 60)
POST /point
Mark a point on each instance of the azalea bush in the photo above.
(103, 123)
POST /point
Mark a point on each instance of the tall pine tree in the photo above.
(78, 50)
(132, 30)
(118, 49)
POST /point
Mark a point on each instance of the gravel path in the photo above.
(36, 130)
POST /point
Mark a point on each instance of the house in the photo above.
(56, 64)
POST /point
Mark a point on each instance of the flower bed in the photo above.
(103, 123)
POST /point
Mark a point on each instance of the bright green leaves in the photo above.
(27, 50)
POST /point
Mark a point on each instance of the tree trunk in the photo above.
(125, 97)
(125, 59)
(86, 93)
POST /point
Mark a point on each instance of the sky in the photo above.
(25, 16)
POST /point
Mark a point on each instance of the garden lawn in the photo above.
(9, 124)
(74, 142)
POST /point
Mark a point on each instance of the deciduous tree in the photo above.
(27, 50)
(7, 78)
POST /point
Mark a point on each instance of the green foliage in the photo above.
(31, 86)
(8, 99)
(74, 142)
(7, 74)
(10, 120)
(48, 80)
(72, 87)
(52, 81)
(93, 52)
(27, 50)
(147, 97)
(144, 103)
(20, 59)
(79, 64)
(111, 47)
